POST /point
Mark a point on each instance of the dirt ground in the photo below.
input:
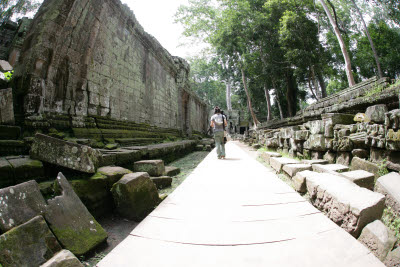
(119, 228)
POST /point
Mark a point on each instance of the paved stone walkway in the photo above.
(235, 212)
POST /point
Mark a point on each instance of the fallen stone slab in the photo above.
(278, 163)
(171, 171)
(389, 185)
(64, 258)
(125, 157)
(19, 204)
(135, 195)
(360, 177)
(29, 244)
(299, 181)
(26, 169)
(66, 154)
(293, 169)
(378, 238)
(314, 161)
(152, 167)
(162, 181)
(113, 173)
(362, 164)
(393, 258)
(329, 168)
(6, 173)
(71, 222)
(345, 203)
(266, 156)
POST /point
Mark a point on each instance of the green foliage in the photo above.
(383, 168)
(8, 8)
(8, 75)
(392, 221)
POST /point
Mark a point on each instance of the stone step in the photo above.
(329, 168)
(360, 177)
(278, 163)
(389, 185)
(314, 161)
(348, 205)
(266, 156)
(293, 169)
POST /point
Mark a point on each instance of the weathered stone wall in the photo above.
(92, 59)
(360, 122)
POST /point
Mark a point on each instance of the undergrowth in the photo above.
(392, 221)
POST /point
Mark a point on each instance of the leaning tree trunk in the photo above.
(315, 83)
(346, 56)
(378, 64)
(322, 84)
(268, 98)
(291, 94)
(253, 115)
(228, 95)
(279, 106)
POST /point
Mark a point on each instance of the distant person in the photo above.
(225, 125)
(218, 123)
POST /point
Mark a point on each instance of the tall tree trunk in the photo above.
(315, 83)
(346, 56)
(322, 84)
(311, 89)
(268, 98)
(279, 106)
(291, 94)
(253, 115)
(228, 95)
(378, 64)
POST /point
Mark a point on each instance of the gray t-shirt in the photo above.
(218, 120)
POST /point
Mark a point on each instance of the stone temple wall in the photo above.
(83, 60)
(360, 122)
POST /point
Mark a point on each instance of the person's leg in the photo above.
(217, 144)
(223, 148)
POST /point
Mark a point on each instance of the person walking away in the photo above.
(218, 123)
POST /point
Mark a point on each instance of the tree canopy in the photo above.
(8, 8)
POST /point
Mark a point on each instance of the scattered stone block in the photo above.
(135, 195)
(343, 158)
(6, 107)
(9, 132)
(317, 154)
(107, 160)
(330, 157)
(314, 161)
(348, 205)
(299, 181)
(152, 167)
(316, 142)
(19, 204)
(293, 169)
(114, 174)
(329, 168)
(64, 258)
(6, 174)
(389, 185)
(66, 154)
(162, 181)
(393, 258)
(361, 164)
(5, 66)
(171, 171)
(360, 153)
(256, 146)
(378, 238)
(71, 222)
(376, 113)
(266, 156)
(26, 169)
(361, 117)
(361, 178)
(29, 244)
(278, 163)
(127, 157)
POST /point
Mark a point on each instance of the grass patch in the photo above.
(392, 221)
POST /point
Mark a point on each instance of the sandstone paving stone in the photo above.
(66, 154)
(278, 163)
(393, 258)
(135, 195)
(6, 173)
(171, 171)
(350, 206)
(266, 156)
(152, 167)
(29, 244)
(293, 169)
(329, 168)
(26, 169)
(314, 161)
(162, 181)
(389, 185)
(378, 238)
(299, 181)
(64, 258)
(360, 177)
(19, 204)
(113, 173)
(70, 221)
(362, 164)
